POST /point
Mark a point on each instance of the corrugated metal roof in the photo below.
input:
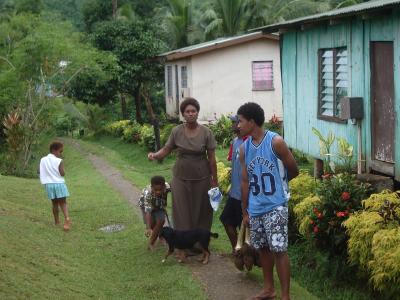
(215, 44)
(333, 14)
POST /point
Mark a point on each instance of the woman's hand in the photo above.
(151, 156)
(214, 182)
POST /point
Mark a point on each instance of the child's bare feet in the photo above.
(67, 224)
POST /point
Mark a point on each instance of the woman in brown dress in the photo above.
(195, 170)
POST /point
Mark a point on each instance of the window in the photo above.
(169, 81)
(263, 77)
(333, 82)
(183, 77)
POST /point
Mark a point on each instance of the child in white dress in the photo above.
(51, 171)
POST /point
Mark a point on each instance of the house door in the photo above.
(382, 107)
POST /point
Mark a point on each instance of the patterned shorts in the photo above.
(270, 230)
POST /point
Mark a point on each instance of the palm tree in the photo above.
(224, 17)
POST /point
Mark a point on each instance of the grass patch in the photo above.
(40, 261)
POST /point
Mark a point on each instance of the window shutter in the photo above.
(263, 77)
(169, 81)
(326, 108)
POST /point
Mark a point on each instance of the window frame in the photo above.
(169, 88)
(272, 78)
(320, 116)
(184, 80)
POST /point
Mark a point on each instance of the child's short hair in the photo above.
(54, 146)
(157, 180)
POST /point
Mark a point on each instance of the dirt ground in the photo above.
(219, 278)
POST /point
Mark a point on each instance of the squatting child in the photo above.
(153, 203)
(51, 172)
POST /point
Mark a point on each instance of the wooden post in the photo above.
(318, 168)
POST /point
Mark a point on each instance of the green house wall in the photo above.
(300, 80)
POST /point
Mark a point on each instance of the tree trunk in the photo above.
(114, 8)
(137, 105)
(124, 111)
(153, 118)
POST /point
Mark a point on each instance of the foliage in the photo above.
(274, 124)
(131, 132)
(341, 196)
(147, 138)
(385, 269)
(302, 212)
(117, 128)
(325, 145)
(374, 242)
(344, 153)
(301, 187)
(224, 177)
(14, 132)
(222, 130)
(165, 133)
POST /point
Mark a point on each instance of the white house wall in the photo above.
(171, 107)
(221, 80)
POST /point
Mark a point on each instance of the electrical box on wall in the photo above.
(351, 108)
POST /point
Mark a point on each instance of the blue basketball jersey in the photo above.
(268, 184)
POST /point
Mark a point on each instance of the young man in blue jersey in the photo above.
(267, 166)
(231, 216)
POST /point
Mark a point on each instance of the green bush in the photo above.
(131, 132)
(302, 213)
(301, 187)
(341, 195)
(165, 133)
(374, 241)
(224, 177)
(222, 131)
(117, 128)
(147, 138)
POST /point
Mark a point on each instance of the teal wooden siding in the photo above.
(300, 80)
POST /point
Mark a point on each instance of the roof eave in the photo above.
(174, 55)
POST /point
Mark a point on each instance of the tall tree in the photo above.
(135, 44)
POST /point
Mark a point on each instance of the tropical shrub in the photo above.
(117, 128)
(222, 130)
(341, 196)
(301, 187)
(224, 177)
(274, 124)
(165, 133)
(302, 213)
(131, 132)
(147, 138)
(374, 241)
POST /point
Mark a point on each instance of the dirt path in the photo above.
(219, 278)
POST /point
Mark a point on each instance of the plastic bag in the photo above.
(215, 198)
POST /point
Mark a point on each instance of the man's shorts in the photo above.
(232, 213)
(270, 230)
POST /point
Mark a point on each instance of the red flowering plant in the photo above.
(340, 196)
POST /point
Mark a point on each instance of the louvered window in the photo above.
(169, 81)
(333, 81)
(263, 76)
(183, 77)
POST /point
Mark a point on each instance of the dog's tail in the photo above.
(214, 235)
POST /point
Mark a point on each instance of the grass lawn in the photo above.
(132, 161)
(39, 261)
